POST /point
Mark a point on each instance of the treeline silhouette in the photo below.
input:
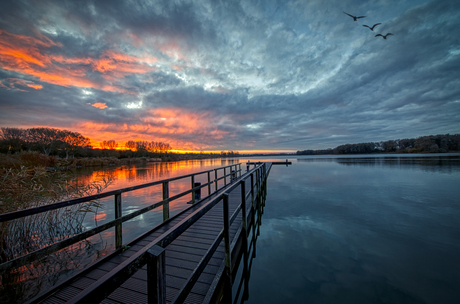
(64, 143)
(425, 144)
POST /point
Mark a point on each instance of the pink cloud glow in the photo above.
(99, 105)
(27, 55)
(169, 125)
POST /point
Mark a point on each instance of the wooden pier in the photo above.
(190, 258)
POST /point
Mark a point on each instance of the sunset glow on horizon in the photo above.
(207, 76)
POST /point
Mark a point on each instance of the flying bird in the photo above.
(354, 18)
(384, 37)
(372, 28)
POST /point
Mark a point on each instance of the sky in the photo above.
(209, 75)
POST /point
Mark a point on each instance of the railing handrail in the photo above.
(113, 279)
(34, 255)
(36, 210)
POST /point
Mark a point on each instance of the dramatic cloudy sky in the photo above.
(232, 75)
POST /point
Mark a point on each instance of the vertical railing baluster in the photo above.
(253, 209)
(166, 204)
(258, 199)
(193, 186)
(228, 261)
(215, 179)
(118, 227)
(245, 239)
(156, 275)
(265, 183)
(209, 183)
(225, 176)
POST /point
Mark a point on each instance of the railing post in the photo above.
(253, 217)
(156, 275)
(118, 227)
(245, 239)
(228, 254)
(225, 176)
(265, 182)
(215, 179)
(259, 200)
(209, 183)
(165, 205)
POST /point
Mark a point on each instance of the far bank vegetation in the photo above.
(424, 144)
(74, 150)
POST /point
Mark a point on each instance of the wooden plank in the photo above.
(68, 293)
(82, 283)
(53, 300)
(96, 274)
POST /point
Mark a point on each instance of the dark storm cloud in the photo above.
(244, 75)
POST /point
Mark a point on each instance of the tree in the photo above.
(130, 145)
(73, 141)
(13, 139)
(109, 144)
(46, 139)
(142, 145)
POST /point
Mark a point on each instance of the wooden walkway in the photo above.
(182, 255)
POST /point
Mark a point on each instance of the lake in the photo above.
(336, 229)
(360, 229)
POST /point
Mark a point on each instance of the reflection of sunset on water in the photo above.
(100, 216)
(76, 219)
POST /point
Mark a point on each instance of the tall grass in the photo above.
(26, 182)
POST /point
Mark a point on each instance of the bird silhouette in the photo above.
(372, 28)
(384, 37)
(354, 18)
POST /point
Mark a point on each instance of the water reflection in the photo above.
(360, 230)
(31, 233)
(441, 163)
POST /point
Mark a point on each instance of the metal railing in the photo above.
(233, 172)
(153, 254)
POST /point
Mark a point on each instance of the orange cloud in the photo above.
(35, 86)
(171, 125)
(27, 55)
(99, 105)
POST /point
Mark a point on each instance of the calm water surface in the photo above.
(367, 229)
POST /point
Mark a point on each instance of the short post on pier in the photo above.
(197, 193)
